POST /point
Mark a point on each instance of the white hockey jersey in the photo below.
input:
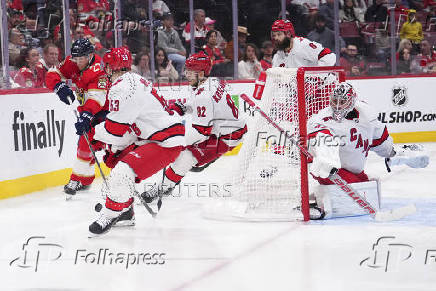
(357, 134)
(139, 114)
(304, 53)
(213, 113)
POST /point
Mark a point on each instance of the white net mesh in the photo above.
(267, 185)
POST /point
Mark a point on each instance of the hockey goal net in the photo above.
(271, 183)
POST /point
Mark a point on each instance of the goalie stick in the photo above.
(389, 215)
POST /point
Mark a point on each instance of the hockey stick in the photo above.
(389, 215)
(97, 206)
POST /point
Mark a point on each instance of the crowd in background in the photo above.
(36, 34)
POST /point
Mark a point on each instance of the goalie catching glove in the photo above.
(410, 155)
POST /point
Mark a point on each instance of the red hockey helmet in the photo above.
(118, 59)
(283, 25)
(199, 62)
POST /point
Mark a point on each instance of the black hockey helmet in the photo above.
(81, 47)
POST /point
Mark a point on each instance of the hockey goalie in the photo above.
(340, 137)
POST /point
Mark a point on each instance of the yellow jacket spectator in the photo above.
(412, 29)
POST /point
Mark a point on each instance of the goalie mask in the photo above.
(342, 100)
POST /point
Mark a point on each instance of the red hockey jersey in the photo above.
(91, 84)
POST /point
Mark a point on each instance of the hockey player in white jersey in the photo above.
(340, 136)
(294, 51)
(142, 134)
(213, 124)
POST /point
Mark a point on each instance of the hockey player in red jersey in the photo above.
(83, 67)
(214, 126)
(142, 136)
(340, 137)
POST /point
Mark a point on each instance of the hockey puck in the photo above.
(98, 207)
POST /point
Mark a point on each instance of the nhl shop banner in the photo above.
(403, 104)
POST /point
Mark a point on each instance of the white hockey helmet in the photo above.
(342, 100)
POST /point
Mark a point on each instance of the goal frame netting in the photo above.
(278, 199)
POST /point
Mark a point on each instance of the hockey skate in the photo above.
(127, 218)
(105, 221)
(315, 212)
(155, 192)
(73, 186)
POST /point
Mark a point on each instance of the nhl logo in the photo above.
(399, 96)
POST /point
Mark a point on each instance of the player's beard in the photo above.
(282, 45)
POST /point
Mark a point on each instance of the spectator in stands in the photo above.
(242, 41)
(200, 30)
(416, 4)
(349, 12)
(141, 64)
(29, 75)
(15, 18)
(50, 58)
(267, 55)
(165, 71)
(159, 8)
(211, 49)
(403, 66)
(425, 61)
(377, 12)
(412, 30)
(16, 44)
(169, 40)
(297, 13)
(324, 35)
(404, 43)
(327, 9)
(249, 67)
(220, 41)
(92, 6)
(352, 62)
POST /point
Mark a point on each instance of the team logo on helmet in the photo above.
(399, 95)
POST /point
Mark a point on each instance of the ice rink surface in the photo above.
(45, 244)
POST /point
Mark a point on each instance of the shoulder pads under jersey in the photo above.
(124, 87)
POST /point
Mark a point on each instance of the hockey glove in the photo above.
(83, 124)
(410, 155)
(178, 107)
(64, 92)
(111, 159)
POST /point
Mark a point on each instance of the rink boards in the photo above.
(39, 140)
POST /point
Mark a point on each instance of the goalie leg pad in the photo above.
(348, 176)
(336, 204)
